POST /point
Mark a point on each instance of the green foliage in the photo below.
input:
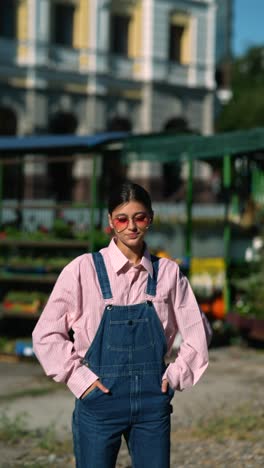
(27, 297)
(12, 430)
(3, 343)
(252, 295)
(48, 440)
(245, 111)
(101, 239)
(246, 108)
(62, 229)
(243, 423)
(251, 287)
(15, 431)
(31, 392)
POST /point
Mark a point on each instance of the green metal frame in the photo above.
(189, 204)
(171, 147)
(165, 148)
(227, 227)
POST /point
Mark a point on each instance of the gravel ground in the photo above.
(217, 423)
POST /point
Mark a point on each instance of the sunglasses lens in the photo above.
(121, 222)
(141, 220)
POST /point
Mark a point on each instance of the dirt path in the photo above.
(210, 422)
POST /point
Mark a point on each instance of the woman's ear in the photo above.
(110, 221)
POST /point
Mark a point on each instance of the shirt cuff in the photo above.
(174, 382)
(81, 379)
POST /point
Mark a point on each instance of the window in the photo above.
(8, 19)
(119, 34)
(175, 45)
(179, 46)
(63, 24)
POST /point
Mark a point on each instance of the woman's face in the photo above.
(130, 222)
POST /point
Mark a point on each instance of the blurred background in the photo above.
(154, 76)
(167, 93)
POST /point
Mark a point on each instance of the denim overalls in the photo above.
(127, 354)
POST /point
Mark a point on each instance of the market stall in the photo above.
(34, 258)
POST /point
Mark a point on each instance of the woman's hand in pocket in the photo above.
(98, 384)
(164, 386)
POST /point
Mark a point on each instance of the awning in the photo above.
(171, 147)
(51, 143)
(162, 147)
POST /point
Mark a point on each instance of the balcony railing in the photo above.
(193, 74)
(177, 73)
(8, 50)
(101, 62)
(64, 58)
(121, 66)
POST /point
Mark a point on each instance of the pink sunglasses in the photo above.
(121, 222)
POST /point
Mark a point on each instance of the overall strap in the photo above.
(102, 275)
(152, 282)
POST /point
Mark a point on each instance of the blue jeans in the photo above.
(98, 424)
(127, 354)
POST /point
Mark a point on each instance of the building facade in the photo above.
(85, 66)
(223, 50)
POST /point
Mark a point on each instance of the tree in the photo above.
(246, 108)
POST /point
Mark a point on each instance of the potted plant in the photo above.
(248, 310)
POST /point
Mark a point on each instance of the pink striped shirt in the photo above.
(76, 302)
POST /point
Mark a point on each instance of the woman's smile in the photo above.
(133, 235)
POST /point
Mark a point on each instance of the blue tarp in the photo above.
(162, 147)
(51, 143)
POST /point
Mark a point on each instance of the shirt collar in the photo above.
(119, 260)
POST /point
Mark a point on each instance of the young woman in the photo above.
(125, 308)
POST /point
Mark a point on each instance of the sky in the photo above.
(248, 26)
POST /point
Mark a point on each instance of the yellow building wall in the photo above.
(186, 46)
(135, 32)
(82, 29)
(22, 27)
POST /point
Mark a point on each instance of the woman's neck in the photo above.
(134, 255)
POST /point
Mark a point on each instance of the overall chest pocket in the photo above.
(130, 334)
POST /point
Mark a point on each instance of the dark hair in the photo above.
(126, 192)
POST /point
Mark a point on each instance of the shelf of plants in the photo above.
(27, 280)
(30, 263)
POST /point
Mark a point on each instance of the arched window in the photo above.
(63, 123)
(8, 121)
